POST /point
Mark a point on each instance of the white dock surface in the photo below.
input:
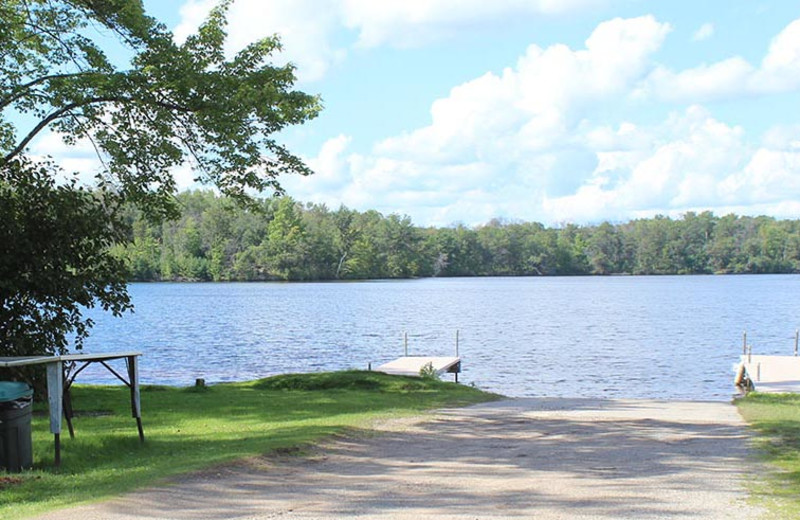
(411, 365)
(774, 374)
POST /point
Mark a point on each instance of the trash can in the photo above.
(16, 450)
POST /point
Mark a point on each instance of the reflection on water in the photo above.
(667, 337)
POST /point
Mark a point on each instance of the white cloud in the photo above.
(694, 161)
(705, 32)
(305, 28)
(770, 176)
(779, 71)
(332, 174)
(780, 68)
(722, 79)
(534, 106)
(78, 160)
(192, 13)
(500, 143)
(309, 28)
(405, 23)
(783, 137)
(526, 143)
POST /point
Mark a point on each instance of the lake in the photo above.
(674, 337)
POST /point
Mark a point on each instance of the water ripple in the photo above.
(638, 337)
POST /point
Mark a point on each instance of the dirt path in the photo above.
(530, 458)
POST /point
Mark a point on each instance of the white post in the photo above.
(456, 342)
(405, 344)
(55, 393)
(55, 402)
(744, 343)
(796, 338)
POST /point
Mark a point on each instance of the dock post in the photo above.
(796, 338)
(405, 344)
(744, 343)
(758, 372)
(457, 345)
(750, 353)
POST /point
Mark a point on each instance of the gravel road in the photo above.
(525, 458)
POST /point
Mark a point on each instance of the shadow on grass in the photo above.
(189, 429)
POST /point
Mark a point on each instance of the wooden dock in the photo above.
(411, 365)
(773, 374)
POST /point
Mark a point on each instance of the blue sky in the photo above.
(547, 110)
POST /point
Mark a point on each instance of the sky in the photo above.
(555, 111)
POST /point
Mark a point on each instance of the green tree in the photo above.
(400, 244)
(604, 249)
(54, 242)
(454, 251)
(367, 253)
(652, 238)
(348, 234)
(286, 242)
(321, 242)
(570, 253)
(694, 233)
(142, 252)
(168, 105)
(500, 248)
(724, 244)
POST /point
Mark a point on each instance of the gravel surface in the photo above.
(526, 458)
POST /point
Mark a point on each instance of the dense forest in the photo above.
(282, 239)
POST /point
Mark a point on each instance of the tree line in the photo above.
(279, 238)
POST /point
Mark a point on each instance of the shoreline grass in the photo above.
(191, 429)
(776, 419)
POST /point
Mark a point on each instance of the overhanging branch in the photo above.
(21, 90)
(66, 109)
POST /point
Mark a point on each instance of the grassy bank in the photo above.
(776, 418)
(189, 429)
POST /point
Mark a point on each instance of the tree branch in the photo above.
(72, 106)
(47, 120)
(19, 90)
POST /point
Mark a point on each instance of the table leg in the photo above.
(136, 405)
(68, 414)
(55, 389)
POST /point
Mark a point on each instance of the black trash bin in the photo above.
(16, 450)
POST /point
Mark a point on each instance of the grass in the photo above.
(776, 418)
(189, 429)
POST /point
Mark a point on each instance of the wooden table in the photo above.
(59, 383)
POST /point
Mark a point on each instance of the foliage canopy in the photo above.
(167, 106)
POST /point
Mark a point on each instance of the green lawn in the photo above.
(189, 429)
(776, 418)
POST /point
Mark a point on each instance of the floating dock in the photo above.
(772, 374)
(411, 365)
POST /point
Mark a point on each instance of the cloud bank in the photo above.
(308, 28)
(528, 144)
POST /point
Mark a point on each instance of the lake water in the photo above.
(640, 337)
